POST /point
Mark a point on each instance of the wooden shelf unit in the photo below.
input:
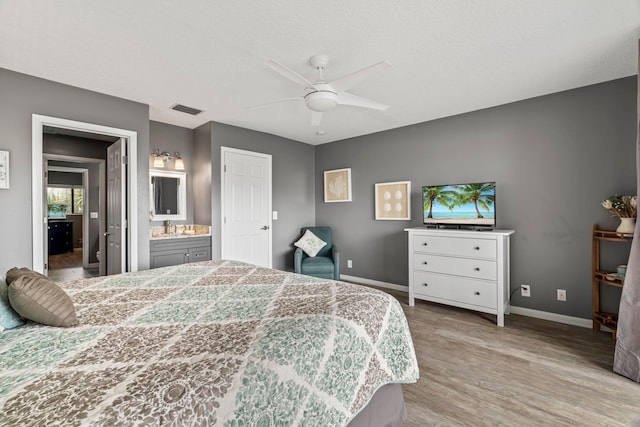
(600, 318)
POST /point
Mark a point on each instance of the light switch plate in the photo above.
(93, 215)
(274, 215)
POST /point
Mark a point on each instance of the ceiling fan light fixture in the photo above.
(321, 100)
(320, 104)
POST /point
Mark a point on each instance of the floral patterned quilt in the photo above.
(211, 343)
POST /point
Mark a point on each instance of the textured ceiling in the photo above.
(448, 56)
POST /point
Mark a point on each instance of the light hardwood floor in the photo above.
(530, 373)
(68, 266)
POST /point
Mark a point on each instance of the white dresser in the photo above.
(463, 268)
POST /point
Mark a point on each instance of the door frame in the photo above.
(39, 221)
(85, 196)
(268, 157)
(101, 206)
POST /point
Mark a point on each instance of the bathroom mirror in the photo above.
(168, 195)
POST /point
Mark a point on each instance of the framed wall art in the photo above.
(4, 169)
(337, 185)
(393, 200)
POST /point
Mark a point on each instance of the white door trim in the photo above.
(38, 122)
(223, 151)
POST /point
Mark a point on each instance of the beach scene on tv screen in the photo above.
(468, 204)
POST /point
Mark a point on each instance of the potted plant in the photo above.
(624, 207)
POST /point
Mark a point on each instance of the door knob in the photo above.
(106, 234)
(266, 227)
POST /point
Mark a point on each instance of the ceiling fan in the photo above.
(320, 96)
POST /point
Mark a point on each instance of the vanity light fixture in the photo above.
(160, 158)
(178, 164)
(157, 160)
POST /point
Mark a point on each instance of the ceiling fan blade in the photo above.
(345, 98)
(275, 102)
(289, 73)
(316, 118)
(351, 80)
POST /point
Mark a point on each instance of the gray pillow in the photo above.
(16, 272)
(41, 300)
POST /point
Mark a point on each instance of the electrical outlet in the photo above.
(562, 295)
(525, 290)
(349, 264)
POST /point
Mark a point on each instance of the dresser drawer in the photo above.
(475, 268)
(456, 289)
(458, 246)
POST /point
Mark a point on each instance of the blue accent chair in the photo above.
(326, 264)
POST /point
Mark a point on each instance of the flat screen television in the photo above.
(460, 205)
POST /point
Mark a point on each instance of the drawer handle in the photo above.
(425, 244)
(425, 262)
(477, 293)
(477, 269)
(477, 248)
(425, 284)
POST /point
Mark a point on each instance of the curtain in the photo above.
(627, 358)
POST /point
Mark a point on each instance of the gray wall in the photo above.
(172, 138)
(554, 159)
(23, 96)
(202, 170)
(292, 183)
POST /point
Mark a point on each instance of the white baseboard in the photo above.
(538, 314)
(376, 283)
(554, 317)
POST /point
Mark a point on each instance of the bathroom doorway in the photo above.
(129, 190)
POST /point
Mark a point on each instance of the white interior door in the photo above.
(116, 208)
(246, 206)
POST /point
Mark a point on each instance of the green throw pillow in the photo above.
(9, 319)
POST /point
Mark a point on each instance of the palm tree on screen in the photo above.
(439, 195)
(482, 195)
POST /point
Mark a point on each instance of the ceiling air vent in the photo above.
(185, 109)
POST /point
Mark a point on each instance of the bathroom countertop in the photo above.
(177, 236)
(192, 230)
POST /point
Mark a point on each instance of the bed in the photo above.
(211, 343)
